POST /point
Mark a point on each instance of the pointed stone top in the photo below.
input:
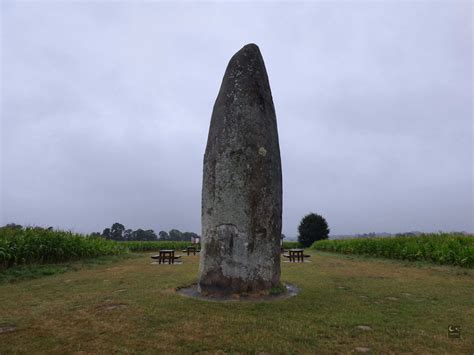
(245, 84)
(246, 69)
(249, 50)
(250, 46)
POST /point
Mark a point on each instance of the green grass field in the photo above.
(128, 305)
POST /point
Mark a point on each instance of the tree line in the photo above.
(118, 232)
(313, 227)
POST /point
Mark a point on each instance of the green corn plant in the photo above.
(440, 248)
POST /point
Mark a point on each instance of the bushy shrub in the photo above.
(312, 227)
(440, 248)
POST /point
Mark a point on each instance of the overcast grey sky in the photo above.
(106, 108)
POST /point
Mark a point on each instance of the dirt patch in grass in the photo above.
(364, 327)
(111, 306)
(361, 349)
(7, 328)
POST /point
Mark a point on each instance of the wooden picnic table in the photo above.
(296, 255)
(191, 249)
(166, 255)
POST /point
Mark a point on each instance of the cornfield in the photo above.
(38, 245)
(291, 245)
(155, 246)
(440, 248)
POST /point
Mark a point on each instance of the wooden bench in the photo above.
(190, 250)
(296, 255)
(166, 255)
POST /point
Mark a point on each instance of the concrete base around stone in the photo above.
(193, 292)
(219, 284)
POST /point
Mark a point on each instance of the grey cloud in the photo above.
(106, 109)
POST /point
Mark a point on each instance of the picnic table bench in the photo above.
(296, 255)
(166, 255)
(191, 249)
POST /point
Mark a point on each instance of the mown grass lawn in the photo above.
(131, 306)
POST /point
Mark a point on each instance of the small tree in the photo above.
(12, 226)
(127, 234)
(312, 227)
(116, 232)
(163, 235)
(175, 235)
(188, 236)
(150, 235)
(106, 233)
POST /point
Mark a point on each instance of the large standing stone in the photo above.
(242, 186)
